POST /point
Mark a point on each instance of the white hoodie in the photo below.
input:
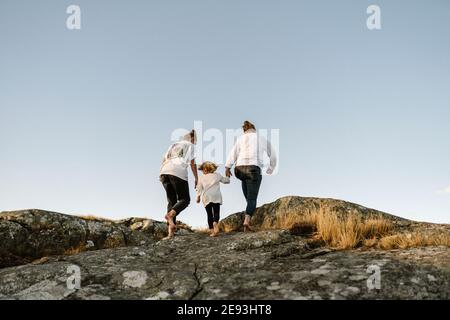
(178, 157)
(209, 186)
(249, 150)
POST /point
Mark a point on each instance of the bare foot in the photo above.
(171, 234)
(169, 218)
(216, 229)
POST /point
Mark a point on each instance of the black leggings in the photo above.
(177, 191)
(213, 211)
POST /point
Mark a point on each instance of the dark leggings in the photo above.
(251, 181)
(213, 211)
(177, 191)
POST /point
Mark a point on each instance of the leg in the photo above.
(216, 207)
(244, 188)
(216, 218)
(253, 183)
(239, 172)
(170, 192)
(182, 191)
(209, 212)
(171, 200)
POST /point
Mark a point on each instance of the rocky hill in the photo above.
(275, 213)
(127, 260)
(27, 235)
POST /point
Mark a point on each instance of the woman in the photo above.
(174, 177)
(248, 154)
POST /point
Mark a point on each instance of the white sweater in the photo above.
(249, 150)
(209, 186)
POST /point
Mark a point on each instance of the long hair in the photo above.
(248, 126)
(191, 136)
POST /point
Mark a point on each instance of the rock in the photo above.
(272, 214)
(127, 260)
(134, 279)
(90, 244)
(28, 235)
(196, 266)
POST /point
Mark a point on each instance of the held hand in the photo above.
(228, 172)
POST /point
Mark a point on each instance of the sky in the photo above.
(86, 115)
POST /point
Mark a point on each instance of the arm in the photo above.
(194, 171)
(199, 189)
(273, 157)
(224, 180)
(231, 160)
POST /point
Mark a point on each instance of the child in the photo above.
(209, 186)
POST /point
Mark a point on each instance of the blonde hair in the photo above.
(208, 167)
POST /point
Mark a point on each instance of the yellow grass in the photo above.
(412, 240)
(94, 218)
(203, 230)
(351, 230)
(341, 232)
(75, 250)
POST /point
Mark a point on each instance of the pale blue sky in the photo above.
(86, 115)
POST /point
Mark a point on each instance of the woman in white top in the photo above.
(209, 186)
(248, 154)
(174, 177)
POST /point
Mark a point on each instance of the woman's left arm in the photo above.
(272, 156)
(194, 172)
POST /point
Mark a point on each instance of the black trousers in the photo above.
(251, 181)
(213, 211)
(177, 191)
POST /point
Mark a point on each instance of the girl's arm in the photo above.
(224, 180)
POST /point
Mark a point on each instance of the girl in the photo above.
(209, 186)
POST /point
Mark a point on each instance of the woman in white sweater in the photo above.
(174, 177)
(248, 154)
(208, 188)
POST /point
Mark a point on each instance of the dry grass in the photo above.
(341, 232)
(75, 250)
(94, 218)
(202, 230)
(412, 240)
(351, 230)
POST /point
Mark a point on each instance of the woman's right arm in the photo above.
(231, 160)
